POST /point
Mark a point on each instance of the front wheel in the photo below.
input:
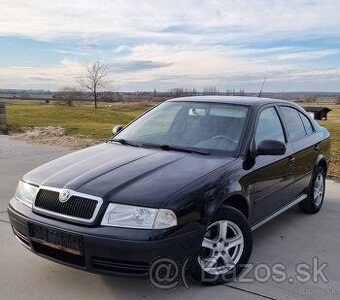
(225, 249)
(316, 193)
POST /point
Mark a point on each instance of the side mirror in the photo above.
(116, 129)
(271, 147)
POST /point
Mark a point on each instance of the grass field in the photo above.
(84, 120)
(80, 119)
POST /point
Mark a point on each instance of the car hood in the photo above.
(125, 174)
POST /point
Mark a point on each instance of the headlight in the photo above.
(120, 215)
(26, 193)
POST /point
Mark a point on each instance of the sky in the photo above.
(157, 44)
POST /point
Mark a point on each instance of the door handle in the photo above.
(291, 160)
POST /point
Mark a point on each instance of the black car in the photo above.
(191, 178)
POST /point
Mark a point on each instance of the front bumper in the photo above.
(109, 250)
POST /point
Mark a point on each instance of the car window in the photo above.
(294, 123)
(269, 127)
(307, 123)
(159, 123)
(212, 127)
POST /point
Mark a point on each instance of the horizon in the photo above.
(198, 92)
(160, 45)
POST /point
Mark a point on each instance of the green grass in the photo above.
(81, 119)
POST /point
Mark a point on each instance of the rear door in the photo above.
(305, 146)
(272, 174)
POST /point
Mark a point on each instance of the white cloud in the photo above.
(65, 73)
(134, 18)
(194, 43)
(223, 67)
(184, 66)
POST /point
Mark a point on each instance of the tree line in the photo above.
(97, 83)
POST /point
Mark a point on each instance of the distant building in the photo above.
(318, 113)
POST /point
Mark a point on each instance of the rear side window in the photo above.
(308, 125)
(269, 127)
(294, 123)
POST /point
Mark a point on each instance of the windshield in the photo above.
(209, 127)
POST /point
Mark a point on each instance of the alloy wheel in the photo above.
(222, 247)
(319, 189)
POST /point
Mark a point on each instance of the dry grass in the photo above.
(333, 125)
(81, 119)
(53, 136)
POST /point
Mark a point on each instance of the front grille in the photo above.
(76, 206)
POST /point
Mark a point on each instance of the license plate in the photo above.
(56, 239)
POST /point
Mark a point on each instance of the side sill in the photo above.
(280, 211)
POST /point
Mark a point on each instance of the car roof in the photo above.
(243, 100)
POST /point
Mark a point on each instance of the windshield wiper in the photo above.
(189, 150)
(162, 146)
(124, 142)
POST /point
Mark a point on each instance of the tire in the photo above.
(218, 260)
(316, 193)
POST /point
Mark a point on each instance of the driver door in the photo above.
(272, 174)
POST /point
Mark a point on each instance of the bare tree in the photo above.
(67, 94)
(310, 99)
(110, 96)
(210, 91)
(96, 78)
(177, 92)
(337, 100)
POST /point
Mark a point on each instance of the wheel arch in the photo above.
(321, 162)
(238, 202)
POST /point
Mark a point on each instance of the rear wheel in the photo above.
(316, 193)
(225, 248)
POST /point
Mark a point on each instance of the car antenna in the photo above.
(260, 93)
